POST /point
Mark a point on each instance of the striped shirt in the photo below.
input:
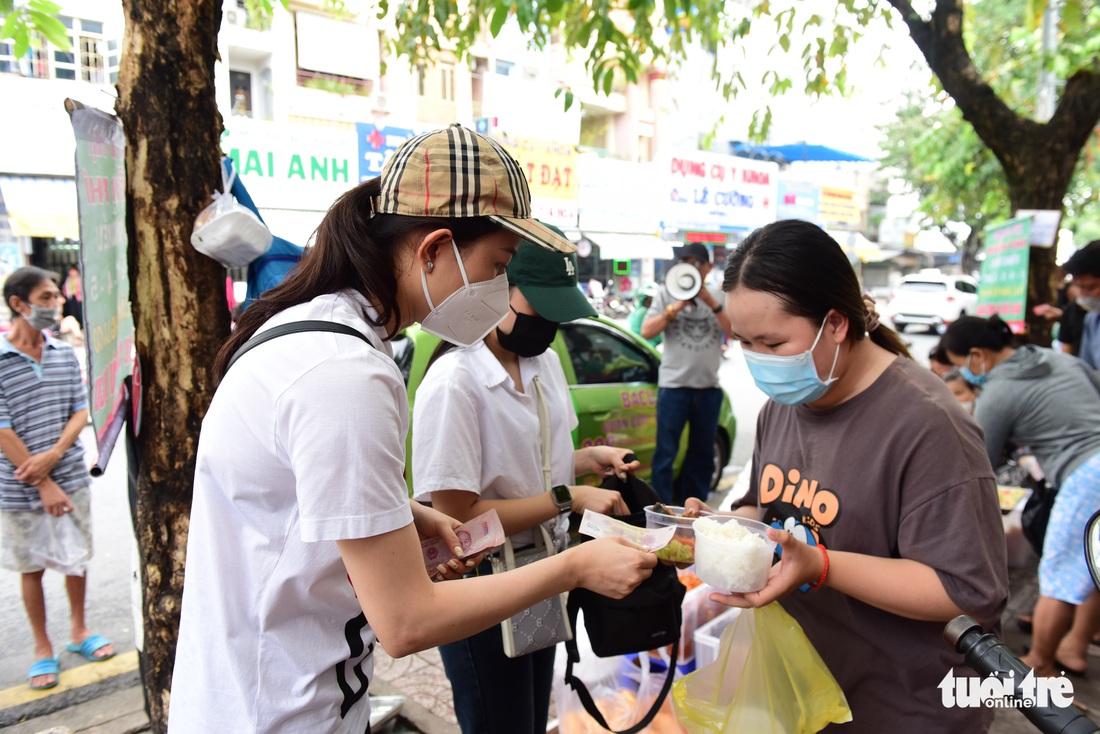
(36, 401)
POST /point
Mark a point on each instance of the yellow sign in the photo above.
(551, 167)
(839, 205)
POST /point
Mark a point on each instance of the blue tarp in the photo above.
(801, 151)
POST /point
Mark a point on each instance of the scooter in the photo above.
(991, 658)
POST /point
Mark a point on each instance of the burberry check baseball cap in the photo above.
(456, 172)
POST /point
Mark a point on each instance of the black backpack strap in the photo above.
(295, 327)
(574, 656)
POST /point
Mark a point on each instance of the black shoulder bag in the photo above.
(295, 327)
(648, 618)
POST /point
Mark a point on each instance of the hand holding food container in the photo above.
(733, 554)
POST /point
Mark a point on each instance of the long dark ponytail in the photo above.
(354, 249)
(804, 267)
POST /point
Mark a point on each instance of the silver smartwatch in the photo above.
(563, 498)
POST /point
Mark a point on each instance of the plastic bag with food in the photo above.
(767, 679)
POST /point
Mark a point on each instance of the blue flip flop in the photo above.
(45, 666)
(89, 647)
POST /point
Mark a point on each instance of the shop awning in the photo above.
(41, 206)
(618, 246)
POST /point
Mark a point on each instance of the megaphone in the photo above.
(683, 281)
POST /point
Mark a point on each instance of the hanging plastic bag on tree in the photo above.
(767, 679)
(229, 232)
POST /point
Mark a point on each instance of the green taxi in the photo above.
(612, 376)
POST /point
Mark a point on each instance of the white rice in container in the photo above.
(730, 556)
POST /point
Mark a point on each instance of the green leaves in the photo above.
(500, 16)
(37, 16)
(568, 96)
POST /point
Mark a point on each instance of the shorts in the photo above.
(18, 528)
(1063, 571)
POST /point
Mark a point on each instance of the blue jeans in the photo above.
(496, 694)
(677, 407)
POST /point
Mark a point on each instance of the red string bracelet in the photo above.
(825, 571)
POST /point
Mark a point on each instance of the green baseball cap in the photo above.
(548, 280)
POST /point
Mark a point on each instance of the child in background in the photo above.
(963, 391)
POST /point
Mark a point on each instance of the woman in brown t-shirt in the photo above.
(875, 480)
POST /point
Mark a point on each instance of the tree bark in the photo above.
(167, 106)
(1038, 159)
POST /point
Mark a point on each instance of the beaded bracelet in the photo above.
(825, 571)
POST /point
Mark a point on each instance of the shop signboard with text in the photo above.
(292, 166)
(709, 191)
(1003, 288)
(377, 144)
(551, 169)
(839, 206)
(799, 200)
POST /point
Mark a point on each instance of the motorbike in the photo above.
(1041, 703)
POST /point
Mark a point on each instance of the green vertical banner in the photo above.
(1003, 288)
(108, 323)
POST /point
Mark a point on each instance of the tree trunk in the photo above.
(1038, 159)
(168, 109)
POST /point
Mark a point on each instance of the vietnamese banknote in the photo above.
(476, 536)
(596, 525)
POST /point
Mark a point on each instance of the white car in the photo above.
(931, 300)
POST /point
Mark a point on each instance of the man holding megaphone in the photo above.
(692, 320)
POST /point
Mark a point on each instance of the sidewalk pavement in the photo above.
(114, 704)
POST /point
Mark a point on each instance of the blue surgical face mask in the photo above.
(791, 380)
(975, 380)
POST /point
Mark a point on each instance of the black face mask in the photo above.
(530, 336)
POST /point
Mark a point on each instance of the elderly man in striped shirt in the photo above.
(45, 512)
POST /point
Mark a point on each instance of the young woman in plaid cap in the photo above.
(303, 546)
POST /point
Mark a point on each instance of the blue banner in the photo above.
(799, 200)
(376, 145)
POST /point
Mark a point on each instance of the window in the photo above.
(504, 68)
(923, 286)
(241, 84)
(965, 287)
(84, 60)
(421, 82)
(91, 60)
(447, 82)
(601, 356)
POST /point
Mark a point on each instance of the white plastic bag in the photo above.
(229, 232)
(56, 543)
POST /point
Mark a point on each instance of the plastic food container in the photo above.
(681, 549)
(732, 554)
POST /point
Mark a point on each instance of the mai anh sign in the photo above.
(1003, 288)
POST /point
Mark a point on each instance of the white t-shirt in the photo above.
(472, 430)
(303, 445)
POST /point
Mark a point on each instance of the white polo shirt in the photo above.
(472, 430)
(303, 445)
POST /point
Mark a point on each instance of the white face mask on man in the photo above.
(471, 312)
